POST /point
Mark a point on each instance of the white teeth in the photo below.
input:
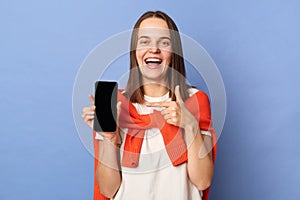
(153, 60)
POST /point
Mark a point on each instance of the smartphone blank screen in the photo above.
(106, 94)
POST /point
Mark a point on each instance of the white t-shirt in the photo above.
(155, 178)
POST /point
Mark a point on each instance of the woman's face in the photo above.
(154, 50)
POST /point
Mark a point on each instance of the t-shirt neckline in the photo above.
(165, 97)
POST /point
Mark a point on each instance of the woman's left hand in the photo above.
(175, 112)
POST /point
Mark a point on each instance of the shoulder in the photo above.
(200, 98)
(199, 93)
(122, 91)
(192, 91)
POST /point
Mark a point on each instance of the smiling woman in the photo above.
(162, 148)
(156, 31)
(153, 52)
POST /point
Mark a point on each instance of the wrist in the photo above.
(109, 137)
(191, 126)
(191, 131)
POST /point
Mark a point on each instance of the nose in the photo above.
(154, 49)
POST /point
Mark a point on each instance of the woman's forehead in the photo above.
(154, 27)
(154, 23)
(153, 32)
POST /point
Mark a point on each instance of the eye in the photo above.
(164, 43)
(143, 42)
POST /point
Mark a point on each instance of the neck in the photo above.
(155, 90)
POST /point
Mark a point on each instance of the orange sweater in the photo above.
(198, 105)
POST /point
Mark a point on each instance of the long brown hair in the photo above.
(176, 76)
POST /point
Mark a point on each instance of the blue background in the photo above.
(255, 45)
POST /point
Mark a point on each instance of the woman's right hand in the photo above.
(88, 113)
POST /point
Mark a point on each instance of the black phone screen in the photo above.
(106, 94)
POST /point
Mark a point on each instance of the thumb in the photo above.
(92, 99)
(119, 107)
(177, 94)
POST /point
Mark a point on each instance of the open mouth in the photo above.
(153, 61)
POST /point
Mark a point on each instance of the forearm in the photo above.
(200, 165)
(108, 173)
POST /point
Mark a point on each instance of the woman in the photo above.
(167, 155)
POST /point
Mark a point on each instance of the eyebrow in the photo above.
(147, 37)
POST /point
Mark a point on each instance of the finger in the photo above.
(172, 116)
(161, 104)
(92, 99)
(87, 121)
(89, 108)
(83, 115)
(169, 121)
(86, 115)
(172, 121)
(89, 117)
(167, 116)
(89, 113)
(177, 94)
(119, 104)
(158, 104)
(168, 110)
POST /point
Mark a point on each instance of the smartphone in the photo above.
(106, 94)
